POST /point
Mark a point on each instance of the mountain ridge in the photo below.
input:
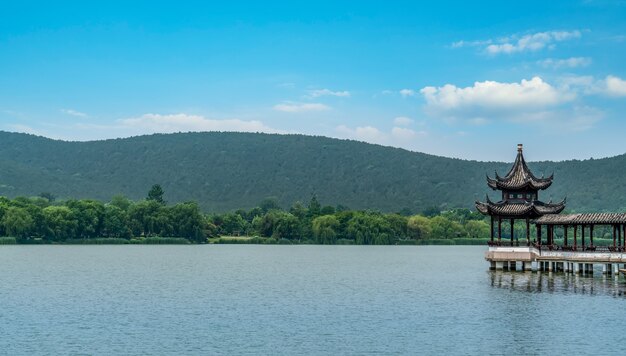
(227, 170)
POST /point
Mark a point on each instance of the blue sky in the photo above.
(459, 79)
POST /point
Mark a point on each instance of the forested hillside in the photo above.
(227, 171)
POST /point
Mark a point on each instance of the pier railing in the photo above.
(599, 249)
(506, 243)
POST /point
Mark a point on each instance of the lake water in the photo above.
(250, 299)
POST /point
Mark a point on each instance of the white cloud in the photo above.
(327, 92)
(374, 135)
(611, 85)
(574, 82)
(614, 86)
(492, 95)
(24, 129)
(402, 121)
(573, 62)
(461, 43)
(407, 92)
(300, 107)
(520, 43)
(531, 101)
(72, 112)
(156, 123)
(362, 133)
(532, 42)
(405, 134)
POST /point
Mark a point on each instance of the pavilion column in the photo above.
(583, 235)
(591, 235)
(527, 232)
(499, 230)
(575, 230)
(512, 231)
(614, 236)
(550, 234)
(491, 228)
(624, 237)
(539, 234)
(564, 235)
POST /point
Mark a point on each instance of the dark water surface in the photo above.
(248, 299)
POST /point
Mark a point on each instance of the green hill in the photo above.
(225, 171)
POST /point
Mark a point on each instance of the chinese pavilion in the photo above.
(520, 199)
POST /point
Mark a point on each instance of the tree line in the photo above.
(44, 219)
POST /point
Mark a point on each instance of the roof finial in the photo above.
(520, 147)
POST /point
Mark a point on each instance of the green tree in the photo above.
(269, 204)
(419, 227)
(443, 228)
(121, 202)
(115, 222)
(327, 210)
(477, 228)
(145, 218)
(286, 226)
(369, 229)
(278, 224)
(156, 194)
(298, 210)
(314, 207)
(188, 221)
(89, 215)
(17, 222)
(60, 223)
(4, 206)
(233, 224)
(398, 225)
(325, 229)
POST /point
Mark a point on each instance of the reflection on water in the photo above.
(563, 283)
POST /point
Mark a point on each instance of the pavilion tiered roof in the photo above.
(519, 177)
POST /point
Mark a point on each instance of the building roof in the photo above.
(519, 177)
(583, 218)
(530, 209)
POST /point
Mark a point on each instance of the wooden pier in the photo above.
(531, 258)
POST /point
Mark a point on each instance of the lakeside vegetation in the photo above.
(42, 219)
(151, 220)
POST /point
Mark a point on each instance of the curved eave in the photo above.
(482, 208)
(519, 209)
(492, 183)
(531, 184)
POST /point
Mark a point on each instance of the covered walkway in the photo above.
(581, 223)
